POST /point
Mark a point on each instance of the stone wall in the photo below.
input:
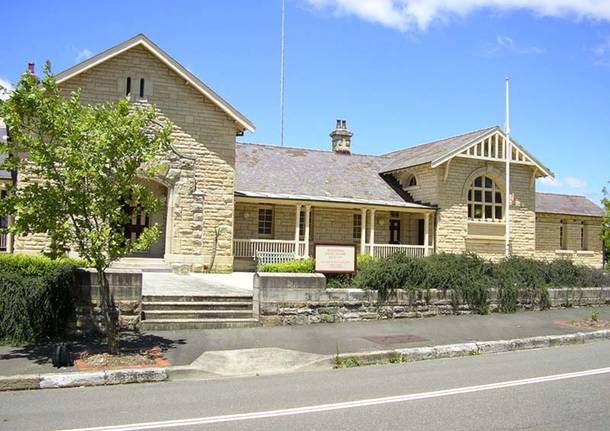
(453, 223)
(303, 300)
(429, 182)
(126, 288)
(548, 245)
(200, 173)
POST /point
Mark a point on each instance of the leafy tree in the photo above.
(81, 164)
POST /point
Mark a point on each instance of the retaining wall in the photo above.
(126, 287)
(297, 299)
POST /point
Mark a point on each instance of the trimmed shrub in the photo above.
(33, 265)
(519, 277)
(36, 301)
(296, 265)
(470, 278)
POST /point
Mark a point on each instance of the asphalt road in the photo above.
(480, 392)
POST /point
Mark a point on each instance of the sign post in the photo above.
(335, 258)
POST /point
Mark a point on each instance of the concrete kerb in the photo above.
(499, 346)
(79, 379)
(412, 354)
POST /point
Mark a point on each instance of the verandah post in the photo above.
(307, 217)
(297, 230)
(363, 231)
(372, 234)
(427, 235)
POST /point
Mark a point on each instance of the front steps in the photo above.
(169, 312)
(145, 264)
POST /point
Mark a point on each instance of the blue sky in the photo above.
(401, 72)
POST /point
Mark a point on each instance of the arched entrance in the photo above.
(139, 221)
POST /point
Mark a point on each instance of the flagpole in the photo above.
(508, 157)
(282, 77)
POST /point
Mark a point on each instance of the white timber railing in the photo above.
(385, 250)
(250, 247)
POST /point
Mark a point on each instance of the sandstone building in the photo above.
(442, 196)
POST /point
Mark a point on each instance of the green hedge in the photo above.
(296, 265)
(304, 265)
(34, 265)
(36, 301)
(469, 277)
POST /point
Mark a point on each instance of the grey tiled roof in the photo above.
(566, 204)
(297, 173)
(425, 153)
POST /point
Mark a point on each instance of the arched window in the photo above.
(485, 200)
(408, 180)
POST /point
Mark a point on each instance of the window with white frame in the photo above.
(265, 221)
(485, 200)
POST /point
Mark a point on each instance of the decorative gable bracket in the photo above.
(491, 147)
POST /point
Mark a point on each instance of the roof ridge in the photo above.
(305, 149)
(443, 139)
(142, 40)
(563, 194)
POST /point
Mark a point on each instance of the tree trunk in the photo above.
(109, 312)
(214, 248)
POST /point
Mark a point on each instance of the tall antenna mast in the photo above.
(282, 76)
(508, 156)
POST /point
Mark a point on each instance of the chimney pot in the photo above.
(31, 68)
(341, 138)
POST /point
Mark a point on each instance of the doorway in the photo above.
(394, 231)
(139, 220)
(420, 232)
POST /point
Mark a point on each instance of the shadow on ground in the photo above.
(41, 354)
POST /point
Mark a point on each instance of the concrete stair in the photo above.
(170, 312)
(146, 264)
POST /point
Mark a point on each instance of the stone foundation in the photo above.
(126, 287)
(307, 301)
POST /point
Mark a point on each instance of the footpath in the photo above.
(201, 354)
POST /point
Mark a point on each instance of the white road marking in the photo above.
(344, 405)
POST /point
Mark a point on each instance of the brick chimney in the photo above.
(342, 138)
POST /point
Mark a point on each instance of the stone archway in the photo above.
(139, 221)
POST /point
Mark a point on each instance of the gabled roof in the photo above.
(554, 203)
(141, 40)
(297, 173)
(439, 152)
(427, 152)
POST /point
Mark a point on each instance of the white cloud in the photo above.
(550, 182)
(575, 183)
(508, 44)
(7, 87)
(83, 54)
(569, 183)
(407, 15)
(602, 52)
